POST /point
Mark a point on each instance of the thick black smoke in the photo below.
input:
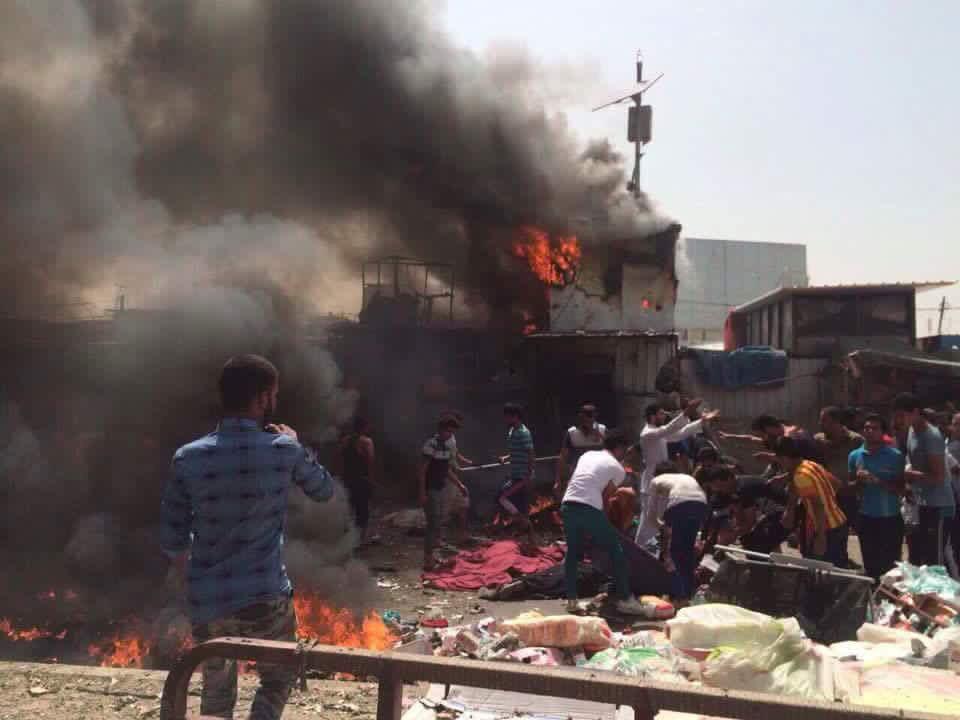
(230, 164)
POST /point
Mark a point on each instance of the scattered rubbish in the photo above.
(560, 630)
(37, 690)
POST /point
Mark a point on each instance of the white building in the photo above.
(716, 276)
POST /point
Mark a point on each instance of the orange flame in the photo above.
(332, 626)
(554, 260)
(123, 650)
(544, 502)
(29, 634)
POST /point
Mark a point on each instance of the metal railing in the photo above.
(393, 669)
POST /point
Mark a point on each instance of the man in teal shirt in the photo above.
(877, 469)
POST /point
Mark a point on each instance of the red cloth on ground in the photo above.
(489, 566)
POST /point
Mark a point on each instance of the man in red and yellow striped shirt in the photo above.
(825, 535)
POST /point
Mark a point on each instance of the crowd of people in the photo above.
(680, 490)
(224, 508)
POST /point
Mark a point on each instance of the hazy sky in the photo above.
(833, 123)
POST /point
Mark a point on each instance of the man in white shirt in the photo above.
(681, 504)
(659, 431)
(596, 477)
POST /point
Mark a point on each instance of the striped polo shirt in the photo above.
(813, 481)
(520, 448)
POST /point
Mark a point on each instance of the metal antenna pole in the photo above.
(638, 144)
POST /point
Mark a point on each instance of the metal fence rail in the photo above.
(393, 669)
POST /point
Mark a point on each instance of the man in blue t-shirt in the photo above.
(877, 469)
(928, 480)
(514, 494)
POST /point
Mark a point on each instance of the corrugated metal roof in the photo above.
(853, 289)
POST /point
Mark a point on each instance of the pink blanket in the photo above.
(491, 566)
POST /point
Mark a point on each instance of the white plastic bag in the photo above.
(714, 624)
(791, 665)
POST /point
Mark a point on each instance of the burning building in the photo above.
(224, 164)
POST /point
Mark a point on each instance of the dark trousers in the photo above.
(930, 538)
(850, 506)
(432, 511)
(272, 620)
(881, 543)
(684, 521)
(579, 522)
(836, 552)
(358, 492)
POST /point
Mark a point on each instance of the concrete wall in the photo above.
(717, 275)
(588, 305)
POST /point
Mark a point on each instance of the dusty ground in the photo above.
(70, 692)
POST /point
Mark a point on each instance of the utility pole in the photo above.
(943, 309)
(639, 122)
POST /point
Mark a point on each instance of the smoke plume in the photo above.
(231, 163)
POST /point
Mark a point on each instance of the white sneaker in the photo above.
(631, 606)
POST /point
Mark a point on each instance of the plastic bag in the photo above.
(791, 665)
(637, 662)
(929, 580)
(715, 624)
(561, 631)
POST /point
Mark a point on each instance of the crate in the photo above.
(830, 606)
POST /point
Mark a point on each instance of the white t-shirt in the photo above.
(594, 471)
(678, 488)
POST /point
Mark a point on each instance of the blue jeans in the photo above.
(684, 521)
(580, 520)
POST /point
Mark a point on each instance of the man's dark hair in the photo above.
(788, 448)
(876, 420)
(513, 410)
(907, 402)
(588, 409)
(762, 422)
(652, 409)
(448, 422)
(707, 453)
(243, 378)
(718, 474)
(615, 439)
(838, 415)
(665, 468)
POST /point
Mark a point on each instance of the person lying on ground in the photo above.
(597, 475)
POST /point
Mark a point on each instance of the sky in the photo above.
(832, 123)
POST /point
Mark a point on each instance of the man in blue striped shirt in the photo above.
(514, 495)
(223, 517)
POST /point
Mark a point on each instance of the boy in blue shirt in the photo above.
(877, 469)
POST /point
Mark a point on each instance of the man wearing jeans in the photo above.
(436, 470)
(594, 480)
(928, 480)
(222, 522)
(877, 469)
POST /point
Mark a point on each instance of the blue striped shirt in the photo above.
(226, 502)
(520, 449)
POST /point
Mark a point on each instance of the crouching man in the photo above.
(596, 477)
(223, 516)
